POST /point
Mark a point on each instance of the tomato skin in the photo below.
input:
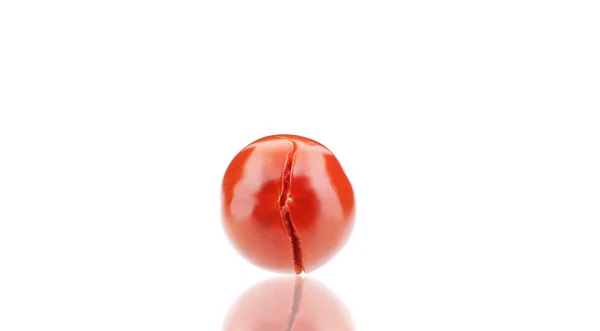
(302, 232)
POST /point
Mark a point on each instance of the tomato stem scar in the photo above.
(284, 209)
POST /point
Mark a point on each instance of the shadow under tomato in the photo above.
(288, 304)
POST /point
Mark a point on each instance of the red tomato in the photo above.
(287, 205)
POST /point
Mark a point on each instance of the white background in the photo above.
(470, 130)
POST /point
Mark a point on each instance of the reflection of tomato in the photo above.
(287, 204)
(288, 304)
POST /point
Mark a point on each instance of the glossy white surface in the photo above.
(469, 129)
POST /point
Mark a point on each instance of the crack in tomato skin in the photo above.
(284, 209)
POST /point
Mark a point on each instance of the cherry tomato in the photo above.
(287, 205)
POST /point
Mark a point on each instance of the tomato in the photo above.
(287, 205)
